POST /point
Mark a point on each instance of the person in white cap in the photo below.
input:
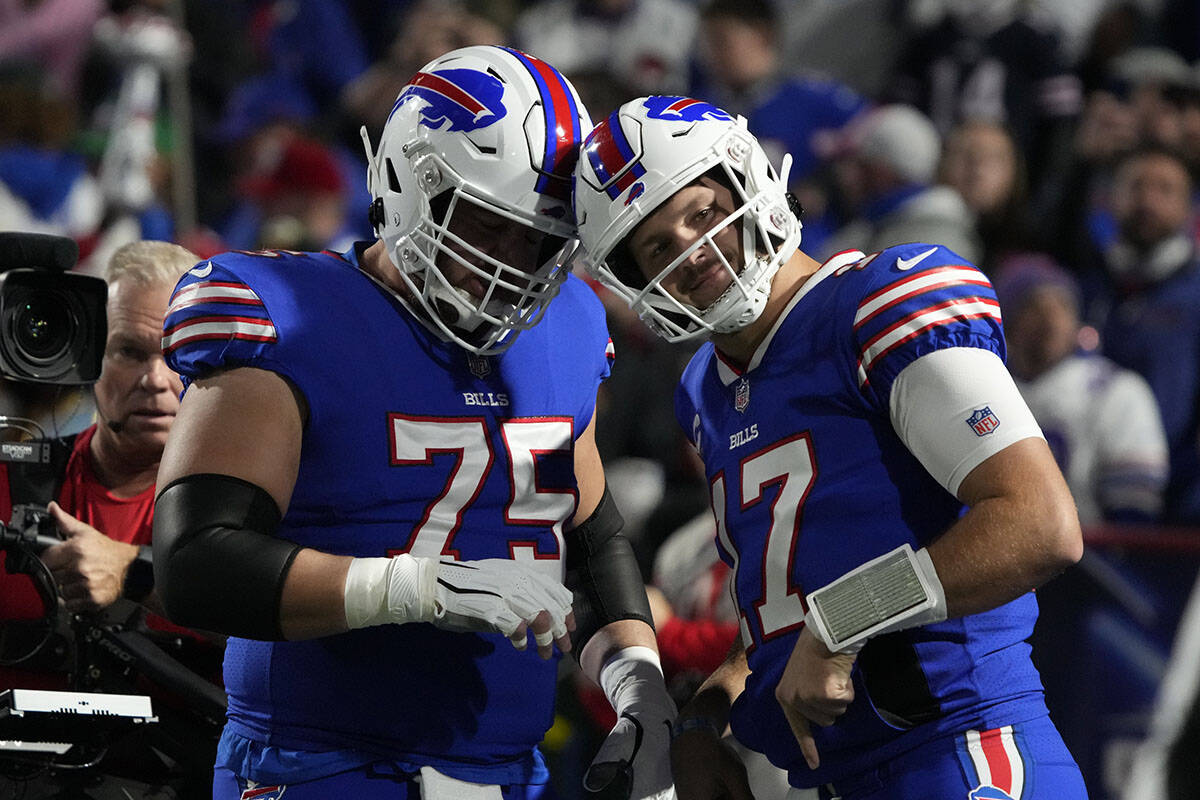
(886, 164)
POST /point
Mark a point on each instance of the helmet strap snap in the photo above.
(375, 213)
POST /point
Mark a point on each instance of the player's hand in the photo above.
(505, 596)
(634, 761)
(815, 687)
(88, 567)
(706, 768)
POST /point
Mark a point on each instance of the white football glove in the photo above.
(491, 595)
(634, 763)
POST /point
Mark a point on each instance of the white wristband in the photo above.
(395, 590)
(897, 590)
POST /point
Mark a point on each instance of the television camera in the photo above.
(52, 322)
(52, 331)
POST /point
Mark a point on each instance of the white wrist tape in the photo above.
(898, 590)
(396, 590)
(633, 677)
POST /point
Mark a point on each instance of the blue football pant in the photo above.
(1027, 761)
(378, 781)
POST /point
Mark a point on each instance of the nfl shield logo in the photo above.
(741, 395)
(479, 365)
(983, 421)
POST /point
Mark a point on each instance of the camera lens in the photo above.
(42, 326)
(52, 326)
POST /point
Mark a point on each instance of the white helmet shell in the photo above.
(498, 129)
(641, 155)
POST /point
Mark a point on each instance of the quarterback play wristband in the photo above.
(897, 590)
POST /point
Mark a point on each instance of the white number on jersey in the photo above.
(415, 440)
(790, 465)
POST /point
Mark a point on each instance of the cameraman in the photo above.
(99, 487)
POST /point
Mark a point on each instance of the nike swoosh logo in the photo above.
(201, 272)
(904, 264)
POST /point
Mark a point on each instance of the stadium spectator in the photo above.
(1143, 100)
(429, 29)
(742, 69)
(53, 33)
(1144, 298)
(646, 44)
(743, 72)
(994, 61)
(45, 186)
(885, 170)
(1101, 421)
(297, 199)
(981, 162)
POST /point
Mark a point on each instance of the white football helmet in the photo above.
(641, 155)
(497, 129)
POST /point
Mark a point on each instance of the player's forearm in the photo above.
(1020, 531)
(978, 576)
(715, 697)
(312, 603)
(610, 639)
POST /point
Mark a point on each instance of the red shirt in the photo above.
(126, 519)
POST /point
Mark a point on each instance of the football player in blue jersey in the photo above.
(384, 467)
(882, 493)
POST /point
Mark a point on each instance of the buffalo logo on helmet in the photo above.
(466, 98)
(988, 792)
(683, 109)
(635, 192)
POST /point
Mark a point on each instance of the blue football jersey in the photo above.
(809, 479)
(412, 445)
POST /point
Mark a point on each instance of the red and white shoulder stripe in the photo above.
(213, 292)
(918, 303)
(217, 310)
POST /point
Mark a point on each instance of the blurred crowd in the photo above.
(1055, 145)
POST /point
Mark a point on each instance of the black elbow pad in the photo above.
(217, 564)
(603, 572)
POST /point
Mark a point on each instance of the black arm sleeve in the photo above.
(603, 573)
(217, 564)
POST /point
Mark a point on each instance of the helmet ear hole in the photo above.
(392, 178)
